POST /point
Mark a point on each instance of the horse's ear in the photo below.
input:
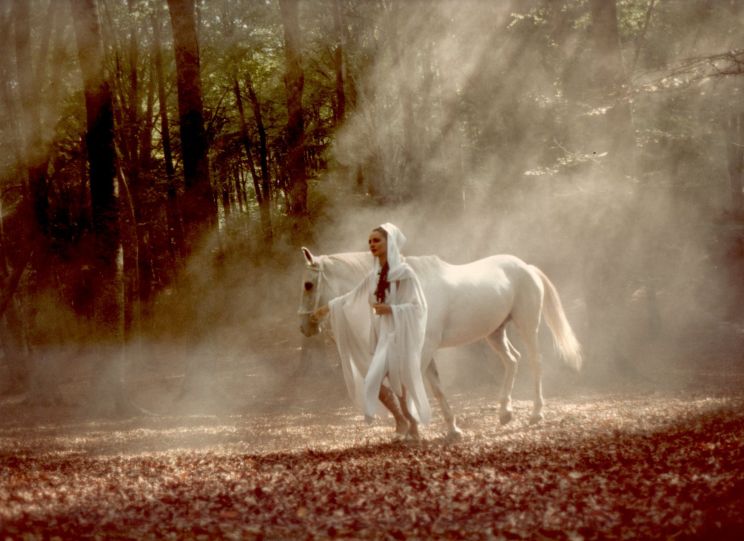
(310, 258)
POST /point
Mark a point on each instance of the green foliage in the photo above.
(444, 101)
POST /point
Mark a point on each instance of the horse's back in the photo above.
(469, 301)
(496, 272)
(466, 302)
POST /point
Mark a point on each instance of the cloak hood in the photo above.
(395, 241)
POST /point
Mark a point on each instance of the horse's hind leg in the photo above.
(529, 336)
(432, 376)
(509, 357)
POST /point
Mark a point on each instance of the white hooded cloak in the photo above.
(396, 339)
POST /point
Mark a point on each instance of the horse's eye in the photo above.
(308, 286)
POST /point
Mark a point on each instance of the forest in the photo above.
(162, 162)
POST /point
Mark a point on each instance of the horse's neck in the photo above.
(345, 271)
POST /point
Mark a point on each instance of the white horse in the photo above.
(466, 303)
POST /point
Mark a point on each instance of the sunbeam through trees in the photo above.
(162, 162)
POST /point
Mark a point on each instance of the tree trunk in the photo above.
(246, 140)
(6, 90)
(199, 209)
(99, 140)
(11, 283)
(411, 170)
(34, 156)
(339, 65)
(609, 285)
(198, 204)
(145, 218)
(262, 191)
(616, 134)
(294, 82)
(173, 214)
(133, 103)
(135, 136)
(642, 35)
(263, 149)
(13, 340)
(239, 191)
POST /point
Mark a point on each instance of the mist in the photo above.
(479, 128)
(637, 254)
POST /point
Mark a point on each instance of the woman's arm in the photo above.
(381, 309)
(322, 312)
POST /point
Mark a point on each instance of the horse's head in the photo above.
(312, 281)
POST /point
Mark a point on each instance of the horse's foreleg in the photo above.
(432, 376)
(390, 401)
(509, 358)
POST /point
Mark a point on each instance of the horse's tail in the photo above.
(563, 336)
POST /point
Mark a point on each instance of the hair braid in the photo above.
(383, 285)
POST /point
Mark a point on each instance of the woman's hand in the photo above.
(319, 314)
(381, 309)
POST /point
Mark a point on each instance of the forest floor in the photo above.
(293, 460)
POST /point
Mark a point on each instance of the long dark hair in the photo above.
(383, 285)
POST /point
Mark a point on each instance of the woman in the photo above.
(398, 307)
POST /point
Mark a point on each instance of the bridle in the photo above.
(318, 269)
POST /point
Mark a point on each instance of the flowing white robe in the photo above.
(393, 345)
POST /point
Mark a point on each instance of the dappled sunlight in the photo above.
(650, 464)
(163, 162)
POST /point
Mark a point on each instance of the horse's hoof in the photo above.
(536, 418)
(505, 416)
(454, 435)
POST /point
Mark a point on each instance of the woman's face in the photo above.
(377, 244)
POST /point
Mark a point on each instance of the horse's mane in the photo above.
(359, 264)
(356, 262)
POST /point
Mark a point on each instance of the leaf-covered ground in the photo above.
(649, 465)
